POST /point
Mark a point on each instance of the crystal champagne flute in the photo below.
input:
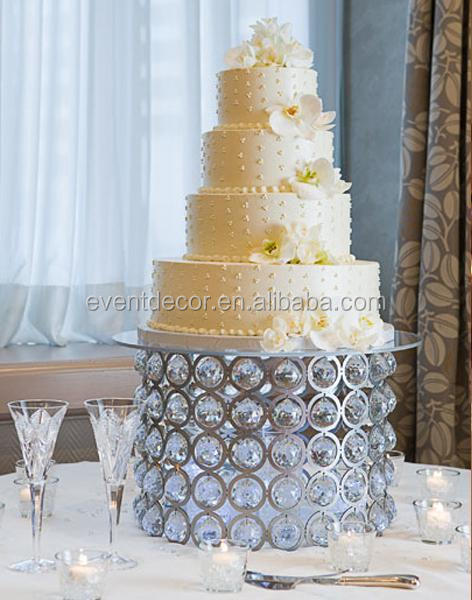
(37, 424)
(114, 422)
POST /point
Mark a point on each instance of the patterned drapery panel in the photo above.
(431, 291)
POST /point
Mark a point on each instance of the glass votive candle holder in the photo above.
(438, 482)
(223, 565)
(20, 468)
(24, 497)
(350, 546)
(436, 519)
(463, 537)
(82, 573)
(398, 459)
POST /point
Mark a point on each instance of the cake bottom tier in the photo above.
(219, 298)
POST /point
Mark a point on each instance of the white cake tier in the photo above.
(220, 298)
(244, 94)
(257, 159)
(228, 227)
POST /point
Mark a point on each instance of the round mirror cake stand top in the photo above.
(146, 338)
(263, 448)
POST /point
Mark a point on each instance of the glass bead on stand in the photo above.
(220, 432)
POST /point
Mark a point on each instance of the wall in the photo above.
(373, 54)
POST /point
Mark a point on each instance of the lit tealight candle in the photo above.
(437, 483)
(438, 518)
(82, 572)
(25, 495)
(351, 550)
(24, 499)
(225, 557)
(223, 566)
(351, 542)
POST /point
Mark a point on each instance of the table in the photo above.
(170, 572)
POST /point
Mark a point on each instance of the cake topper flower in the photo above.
(241, 57)
(271, 44)
(303, 118)
(293, 244)
(318, 179)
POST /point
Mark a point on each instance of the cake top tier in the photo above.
(244, 95)
(270, 85)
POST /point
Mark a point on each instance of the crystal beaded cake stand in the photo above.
(236, 442)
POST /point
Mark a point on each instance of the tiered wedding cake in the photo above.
(268, 234)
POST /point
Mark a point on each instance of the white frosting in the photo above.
(228, 227)
(250, 187)
(257, 157)
(244, 94)
(242, 283)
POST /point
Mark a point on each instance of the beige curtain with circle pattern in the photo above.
(431, 288)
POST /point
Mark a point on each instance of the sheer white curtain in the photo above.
(74, 156)
(102, 103)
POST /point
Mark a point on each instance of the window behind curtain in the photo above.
(101, 109)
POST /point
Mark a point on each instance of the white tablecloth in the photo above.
(170, 572)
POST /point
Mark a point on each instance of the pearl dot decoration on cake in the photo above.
(183, 278)
(262, 210)
(220, 166)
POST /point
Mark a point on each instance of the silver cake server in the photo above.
(253, 576)
(274, 582)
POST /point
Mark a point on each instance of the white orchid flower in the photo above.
(298, 56)
(321, 330)
(271, 44)
(303, 118)
(269, 29)
(279, 248)
(359, 331)
(298, 322)
(309, 245)
(319, 179)
(294, 244)
(276, 338)
(311, 252)
(242, 56)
